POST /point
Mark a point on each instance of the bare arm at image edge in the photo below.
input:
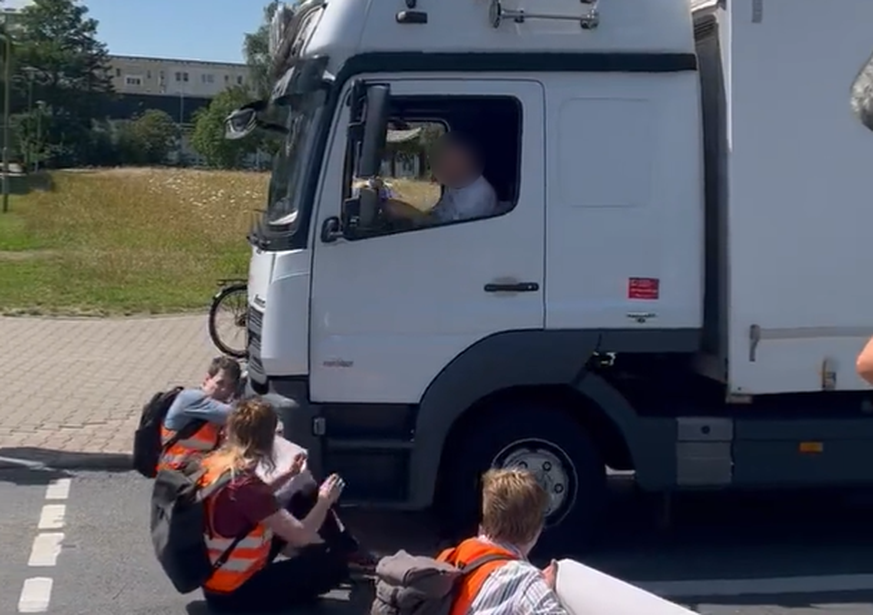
(295, 532)
(864, 364)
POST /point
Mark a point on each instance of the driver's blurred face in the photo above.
(453, 165)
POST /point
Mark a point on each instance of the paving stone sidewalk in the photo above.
(74, 388)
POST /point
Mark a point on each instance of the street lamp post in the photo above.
(40, 104)
(7, 87)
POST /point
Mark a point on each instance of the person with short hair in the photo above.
(209, 404)
(514, 508)
(251, 580)
(457, 165)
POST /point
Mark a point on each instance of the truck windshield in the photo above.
(293, 159)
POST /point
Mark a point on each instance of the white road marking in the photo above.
(35, 595)
(58, 489)
(52, 517)
(46, 548)
(761, 587)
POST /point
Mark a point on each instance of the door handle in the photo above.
(516, 287)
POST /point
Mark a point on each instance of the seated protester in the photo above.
(209, 405)
(513, 515)
(250, 581)
(300, 493)
(457, 165)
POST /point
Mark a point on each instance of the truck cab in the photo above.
(588, 321)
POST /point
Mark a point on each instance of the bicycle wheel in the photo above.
(227, 320)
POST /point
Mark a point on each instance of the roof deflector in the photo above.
(588, 20)
(284, 29)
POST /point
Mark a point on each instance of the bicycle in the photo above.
(232, 297)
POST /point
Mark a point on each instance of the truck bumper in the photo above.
(290, 400)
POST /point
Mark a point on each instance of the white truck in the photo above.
(672, 285)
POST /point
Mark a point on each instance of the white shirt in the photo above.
(475, 200)
(516, 588)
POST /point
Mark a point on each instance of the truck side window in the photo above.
(862, 94)
(421, 186)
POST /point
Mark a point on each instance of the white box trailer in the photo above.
(673, 281)
(797, 169)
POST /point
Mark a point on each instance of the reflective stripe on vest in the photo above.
(202, 441)
(249, 556)
(469, 586)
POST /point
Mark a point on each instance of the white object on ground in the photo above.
(586, 591)
(284, 452)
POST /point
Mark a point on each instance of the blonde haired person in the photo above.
(246, 511)
(513, 516)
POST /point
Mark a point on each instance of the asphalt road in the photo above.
(81, 541)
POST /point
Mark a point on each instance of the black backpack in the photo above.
(178, 523)
(147, 446)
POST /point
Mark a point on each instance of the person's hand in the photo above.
(401, 211)
(550, 573)
(297, 464)
(331, 489)
(376, 183)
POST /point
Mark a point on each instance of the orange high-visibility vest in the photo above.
(204, 440)
(465, 553)
(249, 556)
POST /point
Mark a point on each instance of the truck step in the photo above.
(368, 444)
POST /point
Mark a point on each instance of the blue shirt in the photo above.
(194, 404)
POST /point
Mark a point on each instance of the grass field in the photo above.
(131, 241)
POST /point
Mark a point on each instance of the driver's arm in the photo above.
(397, 208)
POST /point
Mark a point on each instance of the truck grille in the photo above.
(255, 320)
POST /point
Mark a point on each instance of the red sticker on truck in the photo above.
(643, 288)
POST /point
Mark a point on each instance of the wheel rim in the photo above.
(553, 468)
(230, 322)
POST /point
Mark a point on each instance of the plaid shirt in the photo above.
(516, 588)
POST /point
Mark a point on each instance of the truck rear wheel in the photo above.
(548, 442)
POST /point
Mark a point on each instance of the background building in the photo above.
(179, 87)
(167, 77)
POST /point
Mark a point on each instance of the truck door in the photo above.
(393, 306)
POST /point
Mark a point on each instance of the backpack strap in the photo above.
(225, 555)
(471, 567)
(220, 483)
(186, 432)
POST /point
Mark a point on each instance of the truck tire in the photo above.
(546, 440)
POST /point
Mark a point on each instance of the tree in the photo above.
(59, 60)
(256, 49)
(208, 137)
(148, 139)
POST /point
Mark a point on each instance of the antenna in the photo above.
(588, 20)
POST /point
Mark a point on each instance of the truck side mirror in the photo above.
(240, 123)
(367, 135)
(244, 121)
(359, 213)
(375, 131)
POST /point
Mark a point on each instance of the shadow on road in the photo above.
(354, 599)
(34, 458)
(709, 535)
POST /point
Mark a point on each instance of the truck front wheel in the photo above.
(544, 440)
